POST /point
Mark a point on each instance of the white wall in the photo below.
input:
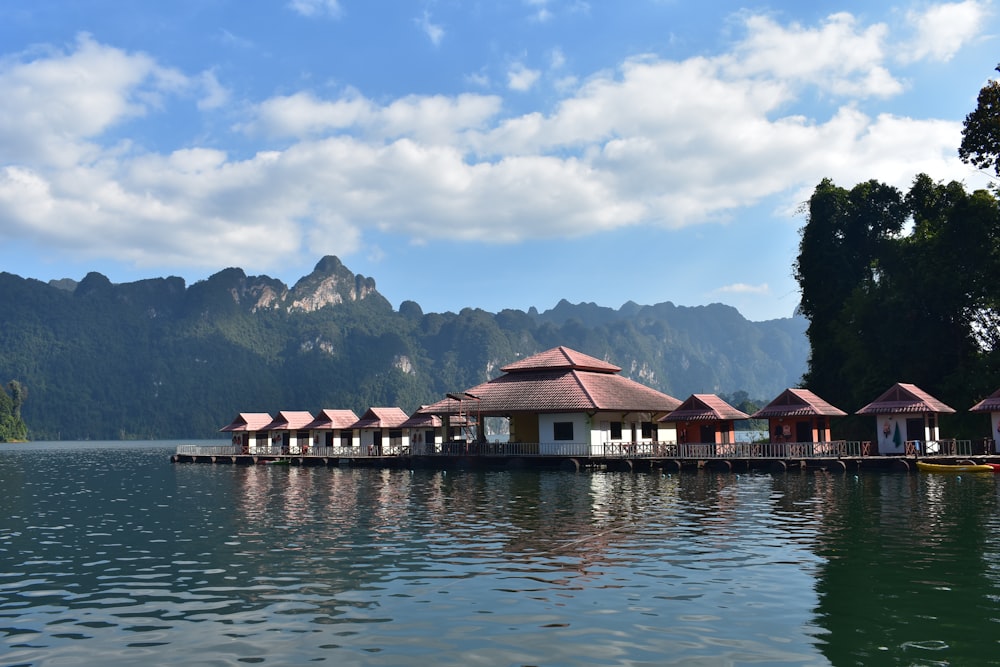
(602, 428)
(581, 433)
(426, 439)
(890, 430)
(996, 431)
(891, 433)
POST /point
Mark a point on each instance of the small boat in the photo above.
(953, 467)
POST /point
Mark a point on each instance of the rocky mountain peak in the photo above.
(329, 284)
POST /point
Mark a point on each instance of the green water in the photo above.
(112, 555)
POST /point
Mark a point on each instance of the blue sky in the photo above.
(497, 155)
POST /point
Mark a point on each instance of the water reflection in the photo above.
(123, 557)
(909, 574)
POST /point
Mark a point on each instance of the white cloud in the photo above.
(836, 56)
(478, 79)
(434, 32)
(310, 8)
(941, 30)
(743, 288)
(54, 106)
(303, 115)
(657, 142)
(541, 10)
(214, 94)
(557, 59)
(521, 78)
(434, 119)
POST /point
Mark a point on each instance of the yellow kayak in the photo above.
(953, 467)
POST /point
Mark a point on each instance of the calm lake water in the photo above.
(112, 555)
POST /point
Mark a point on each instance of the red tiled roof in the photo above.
(550, 385)
(290, 420)
(904, 398)
(561, 357)
(797, 403)
(248, 421)
(332, 419)
(382, 418)
(989, 404)
(422, 420)
(704, 407)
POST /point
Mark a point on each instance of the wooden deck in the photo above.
(839, 456)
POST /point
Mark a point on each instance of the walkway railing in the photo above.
(737, 450)
(265, 450)
(611, 450)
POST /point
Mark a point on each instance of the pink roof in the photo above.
(797, 403)
(904, 398)
(328, 420)
(704, 407)
(290, 420)
(989, 404)
(560, 380)
(382, 418)
(248, 421)
(560, 357)
(422, 420)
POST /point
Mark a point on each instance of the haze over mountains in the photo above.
(160, 359)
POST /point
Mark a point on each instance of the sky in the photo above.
(466, 153)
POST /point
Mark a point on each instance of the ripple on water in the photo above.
(126, 558)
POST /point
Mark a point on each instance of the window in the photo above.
(647, 430)
(616, 430)
(562, 430)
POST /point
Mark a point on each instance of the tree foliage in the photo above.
(12, 427)
(888, 306)
(981, 131)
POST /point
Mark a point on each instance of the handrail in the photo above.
(609, 450)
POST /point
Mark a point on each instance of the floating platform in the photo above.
(580, 463)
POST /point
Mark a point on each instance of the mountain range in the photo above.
(161, 359)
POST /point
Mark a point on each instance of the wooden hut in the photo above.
(426, 433)
(798, 416)
(248, 431)
(991, 404)
(289, 432)
(907, 420)
(333, 428)
(562, 402)
(380, 431)
(706, 420)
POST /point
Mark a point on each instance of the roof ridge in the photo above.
(578, 377)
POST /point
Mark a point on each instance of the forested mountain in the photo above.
(158, 359)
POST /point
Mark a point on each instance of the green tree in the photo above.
(12, 427)
(18, 393)
(887, 307)
(981, 131)
(842, 255)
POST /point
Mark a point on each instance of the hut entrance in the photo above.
(803, 432)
